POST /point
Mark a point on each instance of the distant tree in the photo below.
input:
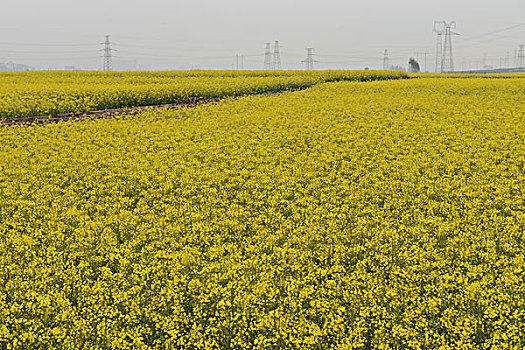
(413, 66)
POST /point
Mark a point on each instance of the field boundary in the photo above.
(107, 113)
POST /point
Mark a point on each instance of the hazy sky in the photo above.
(206, 33)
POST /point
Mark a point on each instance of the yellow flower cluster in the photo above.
(378, 215)
(41, 93)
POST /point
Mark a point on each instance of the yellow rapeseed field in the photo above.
(352, 215)
(32, 94)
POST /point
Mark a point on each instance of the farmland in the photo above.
(352, 215)
(32, 94)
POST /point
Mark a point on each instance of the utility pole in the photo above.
(425, 59)
(309, 58)
(521, 57)
(507, 60)
(276, 57)
(386, 60)
(268, 57)
(448, 57)
(108, 57)
(439, 29)
(239, 62)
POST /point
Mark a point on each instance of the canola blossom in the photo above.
(31, 94)
(377, 215)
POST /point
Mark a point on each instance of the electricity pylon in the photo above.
(444, 55)
(276, 57)
(268, 57)
(108, 57)
(521, 57)
(448, 57)
(439, 29)
(309, 58)
(386, 60)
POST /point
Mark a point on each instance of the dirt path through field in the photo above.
(193, 101)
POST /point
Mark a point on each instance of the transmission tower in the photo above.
(268, 57)
(386, 60)
(521, 57)
(444, 56)
(108, 57)
(448, 57)
(309, 58)
(439, 29)
(276, 57)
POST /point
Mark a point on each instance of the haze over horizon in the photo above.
(159, 34)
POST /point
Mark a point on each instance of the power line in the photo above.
(46, 45)
(58, 58)
(45, 52)
(495, 32)
(229, 57)
(349, 57)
